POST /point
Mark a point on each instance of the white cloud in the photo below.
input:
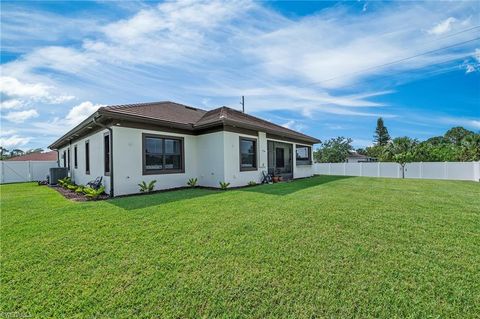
(294, 125)
(469, 123)
(80, 112)
(442, 27)
(21, 116)
(12, 87)
(14, 141)
(11, 104)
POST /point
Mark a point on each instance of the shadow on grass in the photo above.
(148, 200)
(286, 188)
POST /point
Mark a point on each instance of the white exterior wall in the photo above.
(128, 161)
(233, 175)
(79, 175)
(210, 160)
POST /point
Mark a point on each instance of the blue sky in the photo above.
(323, 68)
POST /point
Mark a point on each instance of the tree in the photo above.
(334, 150)
(455, 135)
(36, 150)
(3, 153)
(16, 152)
(400, 150)
(381, 136)
(470, 148)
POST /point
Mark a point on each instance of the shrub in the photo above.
(224, 185)
(92, 193)
(192, 182)
(147, 188)
(72, 187)
(252, 183)
(79, 189)
(65, 181)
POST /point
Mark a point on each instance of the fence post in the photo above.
(29, 176)
(344, 168)
(3, 173)
(420, 169)
(378, 169)
(361, 169)
(329, 168)
(445, 168)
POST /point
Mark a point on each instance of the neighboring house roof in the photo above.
(179, 116)
(47, 156)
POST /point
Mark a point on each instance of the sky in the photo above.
(326, 69)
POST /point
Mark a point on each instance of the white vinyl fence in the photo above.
(25, 171)
(468, 171)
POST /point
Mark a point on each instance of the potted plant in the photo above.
(275, 179)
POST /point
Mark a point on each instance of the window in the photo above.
(68, 158)
(106, 153)
(75, 157)
(304, 155)
(87, 157)
(64, 156)
(162, 154)
(248, 154)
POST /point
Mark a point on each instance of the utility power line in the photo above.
(395, 61)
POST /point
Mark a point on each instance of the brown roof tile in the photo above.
(47, 156)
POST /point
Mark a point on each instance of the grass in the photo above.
(320, 247)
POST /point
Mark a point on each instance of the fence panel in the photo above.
(25, 171)
(428, 170)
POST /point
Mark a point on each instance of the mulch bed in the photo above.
(77, 197)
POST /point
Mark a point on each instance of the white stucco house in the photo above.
(171, 142)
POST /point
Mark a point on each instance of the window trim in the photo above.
(75, 156)
(303, 161)
(252, 139)
(87, 157)
(105, 172)
(146, 171)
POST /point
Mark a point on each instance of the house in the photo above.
(170, 143)
(354, 157)
(35, 156)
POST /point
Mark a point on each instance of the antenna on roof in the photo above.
(243, 104)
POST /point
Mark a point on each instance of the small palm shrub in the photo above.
(92, 193)
(224, 185)
(147, 188)
(192, 182)
(72, 187)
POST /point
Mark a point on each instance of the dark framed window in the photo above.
(68, 158)
(64, 158)
(106, 153)
(87, 157)
(75, 157)
(303, 155)
(163, 154)
(248, 154)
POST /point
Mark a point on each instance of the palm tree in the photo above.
(400, 150)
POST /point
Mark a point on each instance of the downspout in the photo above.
(69, 164)
(111, 152)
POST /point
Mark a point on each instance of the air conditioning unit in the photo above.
(57, 173)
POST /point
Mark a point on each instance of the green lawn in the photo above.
(320, 247)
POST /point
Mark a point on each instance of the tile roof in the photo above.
(47, 156)
(163, 111)
(185, 117)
